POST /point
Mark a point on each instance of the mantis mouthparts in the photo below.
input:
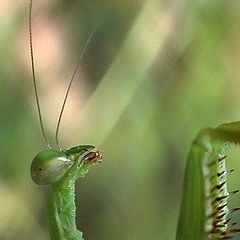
(94, 156)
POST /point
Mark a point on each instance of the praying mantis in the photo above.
(204, 210)
(61, 168)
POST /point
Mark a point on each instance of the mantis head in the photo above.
(49, 166)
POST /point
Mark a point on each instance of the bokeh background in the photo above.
(154, 74)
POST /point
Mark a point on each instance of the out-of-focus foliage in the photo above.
(155, 73)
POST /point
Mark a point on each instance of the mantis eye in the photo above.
(49, 166)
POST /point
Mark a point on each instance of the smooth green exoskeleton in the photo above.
(49, 166)
(60, 169)
(204, 213)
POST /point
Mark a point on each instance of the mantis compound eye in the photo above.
(49, 166)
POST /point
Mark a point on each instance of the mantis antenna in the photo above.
(33, 75)
(71, 81)
(60, 168)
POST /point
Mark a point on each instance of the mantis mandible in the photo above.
(61, 168)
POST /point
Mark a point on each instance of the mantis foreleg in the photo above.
(204, 211)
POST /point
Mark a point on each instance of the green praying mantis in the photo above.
(204, 213)
(61, 168)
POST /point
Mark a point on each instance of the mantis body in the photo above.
(60, 169)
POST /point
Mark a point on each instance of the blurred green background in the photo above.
(155, 73)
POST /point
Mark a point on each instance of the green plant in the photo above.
(204, 213)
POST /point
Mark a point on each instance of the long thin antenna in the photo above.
(33, 73)
(71, 81)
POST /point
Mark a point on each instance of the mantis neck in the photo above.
(62, 212)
